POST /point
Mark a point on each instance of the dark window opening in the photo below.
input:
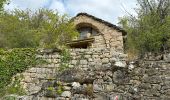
(81, 45)
(86, 32)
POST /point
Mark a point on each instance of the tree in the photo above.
(2, 2)
(149, 31)
(43, 28)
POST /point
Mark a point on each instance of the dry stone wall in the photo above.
(80, 58)
(98, 74)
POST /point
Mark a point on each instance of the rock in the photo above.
(32, 70)
(133, 90)
(131, 66)
(107, 78)
(167, 92)
(79, 97)
(67, 88)
(74, 62)
(66, 94)
(90, 59)
(10, 97)
(119, 77)
(76, 85)
(120, 64)
(167, 57)
(34, 89)
(110, 87)
(84, 99)
(152, 92)
(83, 62)
(145, 86)
(105, 60)
(109, 73)
(101, 96)
(87, 56)
(25, 98)
(72, 75)
(153, 79)
(152, 71)
(156, 87)
(97, 88)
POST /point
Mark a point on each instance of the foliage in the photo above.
(60, 89)
(14, 88)
(55, 90)
(89, 90)
(149, 30)
(65, 59)
(42, 28)
(9, 98)
(50, 89)
(15, 61)
(2, 2)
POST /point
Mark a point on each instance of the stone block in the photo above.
(153, 79)
(55, 56)
(66, 94)
(27, 79)
(90, 59)
(70, 66)
(74, 62)
(67, 88)
(55, 61)
(97, 88)
(32, 70)
(87, 56)
(105, 60)
(109, 87)
(83, 62)
(120, 64)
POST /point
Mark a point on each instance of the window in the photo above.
(86, 32)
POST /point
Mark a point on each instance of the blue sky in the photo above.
(108, 10)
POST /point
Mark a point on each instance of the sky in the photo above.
(108, 10)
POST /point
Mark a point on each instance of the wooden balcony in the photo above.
(81, 43)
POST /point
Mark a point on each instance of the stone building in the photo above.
(97, 74)
(97, 33)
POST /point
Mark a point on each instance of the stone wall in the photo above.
(108, 36)
(80, 58)
(98, 74)
(99, 42)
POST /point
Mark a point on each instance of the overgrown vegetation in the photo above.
(65, 59)
(148, 31)
(27, 29)
(14, 87)
(21, 32)
(12, 62)
(2, 2)
(54, 90)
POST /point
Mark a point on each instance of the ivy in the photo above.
(65, 59)
(15, 61)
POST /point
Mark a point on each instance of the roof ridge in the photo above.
(103, 21)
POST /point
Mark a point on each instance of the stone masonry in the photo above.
(98, 74)
(108, 36)
(101, 72)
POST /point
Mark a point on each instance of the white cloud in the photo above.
(108, 10)
(24, 4)
(57, 5)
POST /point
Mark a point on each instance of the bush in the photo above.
(12, 62)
